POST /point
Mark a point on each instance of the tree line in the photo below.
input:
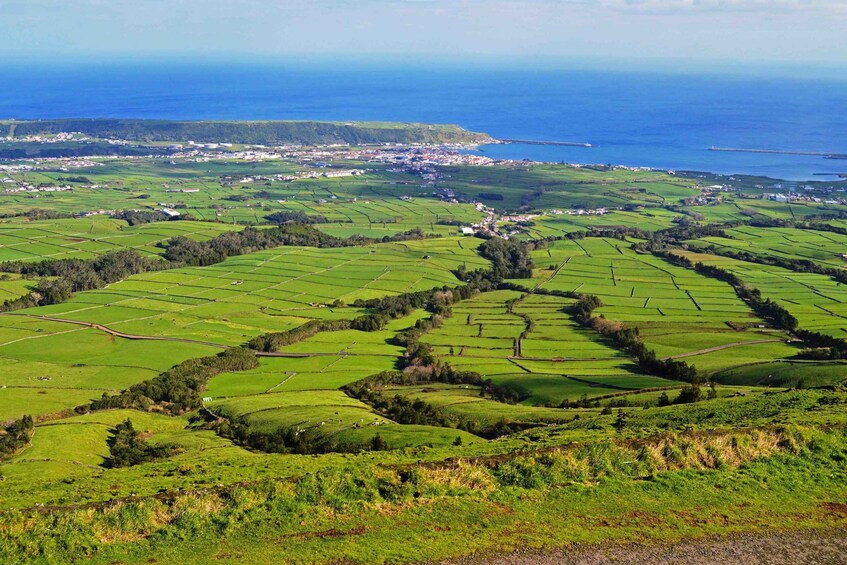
(628, 340)
(177, 390)
(820, 346)
(60, 278)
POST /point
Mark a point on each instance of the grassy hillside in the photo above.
(254, 132)
(313, 368)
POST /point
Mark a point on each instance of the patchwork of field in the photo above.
(546, 186)
(59, 361)
(735, 209)
(272, 290)
(233, 191)
(528, 343)
(552, 225)
(381, 216)
(817, 301)
(678, 312)
(84, 238)
(49, 366)
(302, 394)
(826, 248)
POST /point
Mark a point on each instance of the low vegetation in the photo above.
(312, 361)
(128, 448)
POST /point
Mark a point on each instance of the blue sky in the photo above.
(542, 30)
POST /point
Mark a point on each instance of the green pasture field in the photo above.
(13, 286)
(794, 373)
(556, 360)
(817, 301)
(434, 492)
(49, 367)
(84, 238)
(547, 186)
(276, 374)
(734, 209)
(273, 290)
(821, 247)
(678, 311)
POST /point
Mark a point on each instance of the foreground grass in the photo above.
(662, 488)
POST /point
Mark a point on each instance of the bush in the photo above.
(127, 448)
(295, 217)
(15, 436)
(688, 395)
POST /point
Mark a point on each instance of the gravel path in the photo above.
(811, 548)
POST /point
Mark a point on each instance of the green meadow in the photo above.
(84, 238)
(679, 313)
(414, 396)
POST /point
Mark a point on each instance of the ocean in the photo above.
(648, 118)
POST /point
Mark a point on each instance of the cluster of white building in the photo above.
(100, 212)
(48, 138)
(25, 187)
(793, 197)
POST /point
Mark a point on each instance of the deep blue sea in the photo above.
(646, 118)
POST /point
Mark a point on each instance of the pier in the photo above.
(825, 155)
(537, 142)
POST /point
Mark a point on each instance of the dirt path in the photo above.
(123, 335)
(116, 333)
(720, 347)
(812, 548)
(321, 354)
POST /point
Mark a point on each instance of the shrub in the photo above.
(127, 448)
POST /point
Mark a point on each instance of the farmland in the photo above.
(374, 386)
(816, 300)
(554, 361)
(84, 238)
(242, 192)
(825, 248)
(678, 312)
